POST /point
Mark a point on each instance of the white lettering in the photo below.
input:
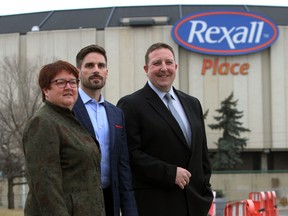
(227, 36)
(252, 32)
(197, 33)
(234, 35)
(211, 31)
(241, 35)
(259, 32)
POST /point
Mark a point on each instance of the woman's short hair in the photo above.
(49, 71)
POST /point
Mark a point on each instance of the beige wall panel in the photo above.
(286, 87)
(118, 44)
(183, 66)
(226, 82)
(237, 186)
(126, 47)
(242, 91)
(216, 88)
(285, 91)
(198, 83)
(48, 46)
(9, 44)
(253, 112)
(211, 88)
(40, 47)
(112, 87)
(240, 86)
(266, 98)
(279, 56)
(196, 79)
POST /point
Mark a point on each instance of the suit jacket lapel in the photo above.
(158, 105)
(189, 113)
(83, 116)
(111, 123)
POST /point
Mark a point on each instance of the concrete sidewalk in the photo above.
(283, 211)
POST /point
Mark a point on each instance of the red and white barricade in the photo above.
(240, 208)
(259, 200)
(270, 204)
(212, 210)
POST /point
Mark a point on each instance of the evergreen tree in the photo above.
(230, 144)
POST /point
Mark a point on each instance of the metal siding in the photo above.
(278, 91)
(47, 46)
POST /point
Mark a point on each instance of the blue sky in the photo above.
(9, 7)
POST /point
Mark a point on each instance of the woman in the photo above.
(62, 159)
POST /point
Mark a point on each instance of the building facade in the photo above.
(262, 91)
(126, 33)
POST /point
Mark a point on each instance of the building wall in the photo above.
(262, 94)
(47, 46)
(279, 90)
(237, 186)
(10, 45)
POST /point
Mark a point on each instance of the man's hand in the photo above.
(182, 177)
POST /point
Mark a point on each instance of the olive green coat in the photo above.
(62, 166)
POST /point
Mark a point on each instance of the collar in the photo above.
(162, 94)
(86, 98)
(58, 108)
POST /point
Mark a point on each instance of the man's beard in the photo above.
(95, 84)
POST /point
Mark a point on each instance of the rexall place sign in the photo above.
(225, 32)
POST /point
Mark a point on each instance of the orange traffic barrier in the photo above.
(271, 206)
(259, 200)
(264, 203)
(240, 208)
(212, 210)
(275, 208)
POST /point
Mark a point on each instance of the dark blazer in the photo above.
(157, 146)
(121, 179)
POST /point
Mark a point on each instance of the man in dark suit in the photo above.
(171, 174)
(105, 122)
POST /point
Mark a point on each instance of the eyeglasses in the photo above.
(61, 83)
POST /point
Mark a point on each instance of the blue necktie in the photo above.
(176, 116)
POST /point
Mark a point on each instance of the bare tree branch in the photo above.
(19, 99)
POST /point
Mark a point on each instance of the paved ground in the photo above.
(283, 211)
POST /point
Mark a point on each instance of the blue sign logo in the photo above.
(225, 32)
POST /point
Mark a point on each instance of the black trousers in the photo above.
(108, 200)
